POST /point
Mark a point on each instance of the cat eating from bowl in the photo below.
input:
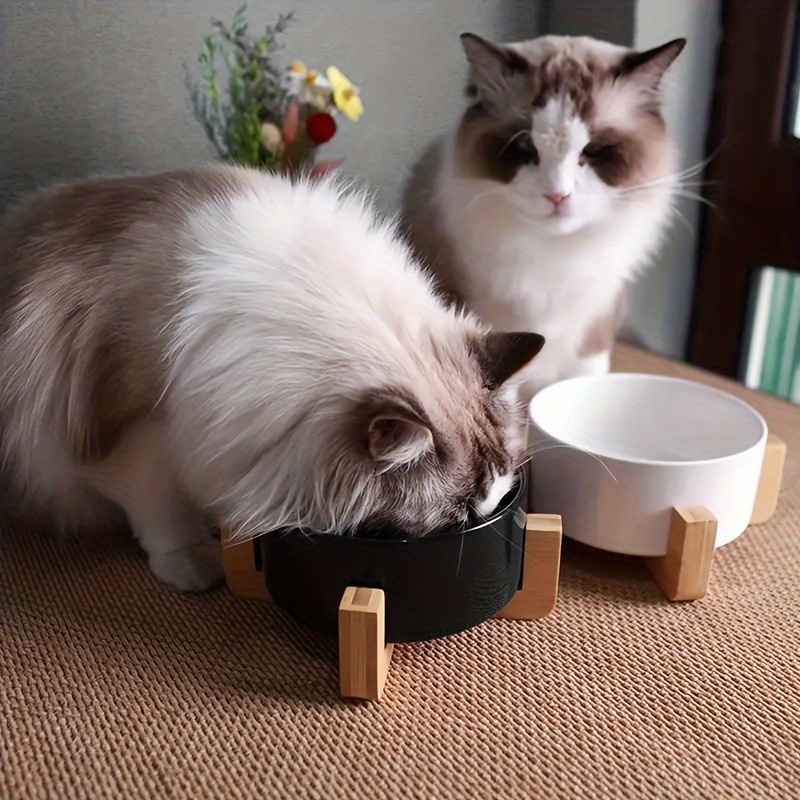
(226, 346)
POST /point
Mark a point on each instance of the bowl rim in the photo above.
(652, 462)
(502, 509)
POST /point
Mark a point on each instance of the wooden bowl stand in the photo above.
(684, 571)
(681, 574)
(364, 655)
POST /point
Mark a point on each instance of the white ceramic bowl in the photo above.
(617, 452)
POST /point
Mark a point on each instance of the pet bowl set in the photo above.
(374, 592)
(644, 465)
(653, 466)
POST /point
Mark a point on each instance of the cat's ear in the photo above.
(494, 68)
(396, 433)
(502, 355)
(648, 68)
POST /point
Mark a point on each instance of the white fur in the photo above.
(520, 270)
(525, 266)
(596, 364)
(499, 488)
(279, 266)
(255, 320)
(522, 263)
(141, 477)
(560, 136)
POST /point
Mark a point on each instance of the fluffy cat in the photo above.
(552, 192)
(225, 345)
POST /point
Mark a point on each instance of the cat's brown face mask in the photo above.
(572, 127)
(419, 461)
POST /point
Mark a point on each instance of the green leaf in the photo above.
(232, 105)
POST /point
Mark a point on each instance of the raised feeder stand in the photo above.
(364, 655)
(683, 572)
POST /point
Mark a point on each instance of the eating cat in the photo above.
(551, 194)
(227, 346)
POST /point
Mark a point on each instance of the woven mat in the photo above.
(112, 686)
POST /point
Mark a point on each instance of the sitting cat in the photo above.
(229, 345)
(551, 194)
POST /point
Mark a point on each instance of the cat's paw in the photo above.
(191, 569)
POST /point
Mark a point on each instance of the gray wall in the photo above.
(94, 87)
(662, 302)
(612, 20)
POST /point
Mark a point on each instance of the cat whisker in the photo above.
(510, 541)
(302, 530)
(699, 183)
(695, 169)
(460, 554)
(675, 178)
(688, 195)
(599, 460)
(511, 141)
(518, 205)
(489, 193)
(683, 218)
(672, 178)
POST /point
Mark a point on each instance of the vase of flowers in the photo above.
(259, 112)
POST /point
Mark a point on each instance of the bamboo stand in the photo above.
(364, 655)
(684, 571)
(681, 574)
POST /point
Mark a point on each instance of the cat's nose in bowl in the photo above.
(435, 585)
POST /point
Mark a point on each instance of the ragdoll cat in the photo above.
(552, 192)
(227, 345)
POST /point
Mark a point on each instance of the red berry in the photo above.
(320, 127)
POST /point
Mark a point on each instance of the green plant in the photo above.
(258, 112)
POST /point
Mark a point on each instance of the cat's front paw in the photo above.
(190, 569)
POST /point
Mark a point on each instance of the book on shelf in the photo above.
(771, 360)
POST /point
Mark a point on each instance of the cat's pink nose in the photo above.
(556, 198)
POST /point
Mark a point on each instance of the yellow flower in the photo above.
(272, 139)
(345, 95)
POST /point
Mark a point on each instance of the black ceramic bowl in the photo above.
(435, 586)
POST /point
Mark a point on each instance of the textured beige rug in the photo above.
(112, 686)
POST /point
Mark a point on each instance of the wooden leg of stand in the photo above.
(541, 563)
(683, 573)
(364, 655)
(241, 574)
(769, 486)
